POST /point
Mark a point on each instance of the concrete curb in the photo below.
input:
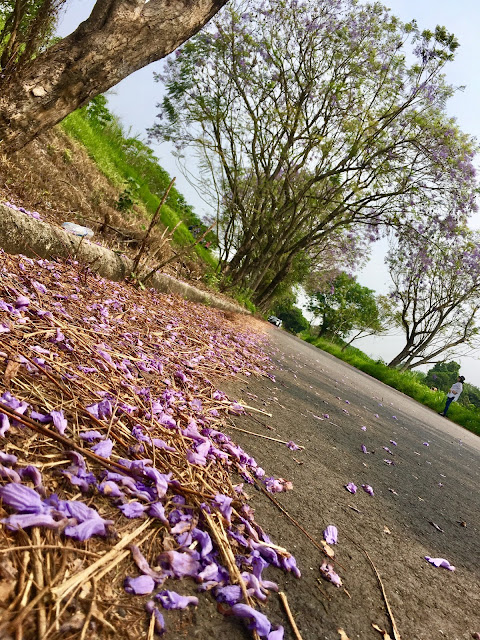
(20, 233)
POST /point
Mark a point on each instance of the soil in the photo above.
(434, 485)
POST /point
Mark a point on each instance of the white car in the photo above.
(274, 320)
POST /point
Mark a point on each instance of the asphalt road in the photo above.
(426, 486)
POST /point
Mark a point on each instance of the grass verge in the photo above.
(407, 382)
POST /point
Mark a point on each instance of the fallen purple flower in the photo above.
(440, 562)
(132, 509)
(393, 442)
(276, 634)
(231, 594)
(388, 461)
(159, 622)
(364, 428)
(7, 459)
(426, 444)
(4, 424)
(172, 600)
(292, 446)
(351, 487)
(91, 435)
(22, 499)
(103, 448)
(179, 564)
(329, 574)
(257, 620)
(157, 510)
(224, 505)
(139, 586)
(368, 489)
(59, 421)
(331, 534)
(25, 520)
(364, 448)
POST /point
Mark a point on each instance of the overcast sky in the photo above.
(135, 99)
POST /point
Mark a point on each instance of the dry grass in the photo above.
(51, 586)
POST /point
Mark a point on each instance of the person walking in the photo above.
(454, 394)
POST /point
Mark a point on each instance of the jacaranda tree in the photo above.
(436, 287)
(308, 119)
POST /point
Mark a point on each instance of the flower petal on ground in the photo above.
(351, 487)
(368, 489)
(331, 534)
(139, 586)
(172, 600)
(440, 562)
(257, 620)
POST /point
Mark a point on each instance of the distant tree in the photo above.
(291, 316)
(442, 375)
(374, 321)
(436, 287)
(308, 121)
(345, 306)
(470, 395)
(119, 37)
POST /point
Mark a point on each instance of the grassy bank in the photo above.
(131, 166)
(408, 382)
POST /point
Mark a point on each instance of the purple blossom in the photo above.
(159, 622)
(426, 444)
(59, 421)
(257, 620)
(351, 487)
(393, 442)
(231, 594)
(276, 634)
(224, 505)
(25, 520)
(139, 586)
(331, 534)
(7, 459)
(364, 428)
(328, 572)
(440, 562)
(22, 499)
(91, 435)
(22, 303)
(292, 446)
(364, 448)
(172, 600)
(157, 510)
(179, 564)
(368, 489)
(4, 424)
(132, 509)
(103, 448)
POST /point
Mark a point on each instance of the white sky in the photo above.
(134, 100)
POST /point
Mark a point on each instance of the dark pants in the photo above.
(447, 404)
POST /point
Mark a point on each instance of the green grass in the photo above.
(109, 148)
(408, 382)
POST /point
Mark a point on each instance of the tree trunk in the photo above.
(119, 37)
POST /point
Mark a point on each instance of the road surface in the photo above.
(426, 503)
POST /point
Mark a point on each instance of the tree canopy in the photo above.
(331, 141)
(436, 287)
(345, 306)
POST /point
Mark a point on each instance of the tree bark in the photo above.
(119, 37)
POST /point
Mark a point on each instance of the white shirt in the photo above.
(458, 387)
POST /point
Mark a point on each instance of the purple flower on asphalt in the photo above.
(351, 487)
(276, 634)
(236, 408)
(59, 421)
(390, 462)
(161, 480)
(143, 566)
(364, 428)
(292, 446)
(376, 415)
(395, 417)
(364, 448)
(204, 541)
(426, 444)
(388, 450)
(139, 586)
(257, 620)
(172, 600)
(290, 564)
(331, 534)
(231, 594)
(368, 489)
(132, 509)
(440, 562)
(159, 622)
(328, 572)
(34, 475)
(326, 416)
(179, 564)
(103, 448)
(393, 442)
